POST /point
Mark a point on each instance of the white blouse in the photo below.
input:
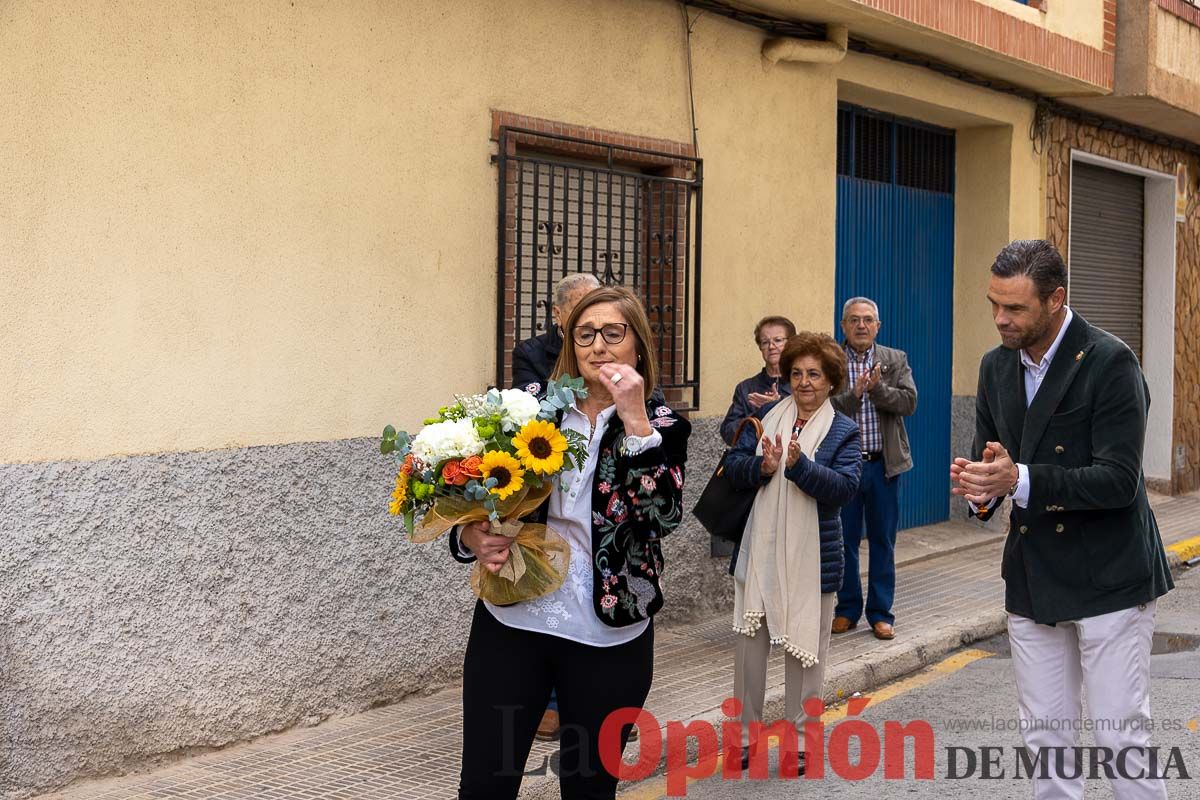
(569, 612)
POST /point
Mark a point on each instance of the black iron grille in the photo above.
(626, 215)
(880, 147)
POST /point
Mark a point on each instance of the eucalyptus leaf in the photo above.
(386, 446)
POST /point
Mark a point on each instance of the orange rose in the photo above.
(452, 473)
(407, 466)
(470, 467)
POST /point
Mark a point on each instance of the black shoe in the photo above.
(799, 762)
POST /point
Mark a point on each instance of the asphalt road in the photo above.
(975, 707)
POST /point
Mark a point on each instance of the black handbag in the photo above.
(724, 508)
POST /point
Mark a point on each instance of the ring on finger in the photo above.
(616, 378)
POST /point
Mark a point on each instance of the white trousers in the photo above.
(1110, 656)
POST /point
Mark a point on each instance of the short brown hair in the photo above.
(822, 347)
(783, 322)
(634, 312)
(1038, 260)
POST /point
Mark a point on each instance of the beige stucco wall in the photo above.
(768, 136)
(1177, 45)
(1081, 20)
(242, 224)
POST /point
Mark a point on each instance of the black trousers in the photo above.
(507, 678)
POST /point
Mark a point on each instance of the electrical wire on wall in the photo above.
(1039, 128)
(688, 25)
(778, 26)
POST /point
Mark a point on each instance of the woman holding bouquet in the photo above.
(592, 639)
(789, 565)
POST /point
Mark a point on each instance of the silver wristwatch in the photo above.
(636, 444)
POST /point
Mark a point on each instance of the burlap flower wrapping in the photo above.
(537, 560)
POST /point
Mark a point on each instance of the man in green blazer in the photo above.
(1060, 420)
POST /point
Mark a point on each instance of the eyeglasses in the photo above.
(855, 321)
(613, 333)
(778, 341)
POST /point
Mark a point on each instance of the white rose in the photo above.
(519, 407)
(442, 440)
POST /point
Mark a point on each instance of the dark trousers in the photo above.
(878, 503)
(507, 678)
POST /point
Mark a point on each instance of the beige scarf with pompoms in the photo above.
(778, 574)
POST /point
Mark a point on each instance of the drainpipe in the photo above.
(830, 51)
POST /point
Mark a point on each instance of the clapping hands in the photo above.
(982, 481)
(868, 380)
(759, 399)
(773, 453)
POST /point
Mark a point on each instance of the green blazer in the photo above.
(1087, 543)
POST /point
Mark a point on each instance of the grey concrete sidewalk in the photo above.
(949, 593)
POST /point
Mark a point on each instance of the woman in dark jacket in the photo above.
(788, 566)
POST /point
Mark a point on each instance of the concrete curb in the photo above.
(949, 551)
(1179, 553)
(904, 656)
(862, 673)
(908, 654)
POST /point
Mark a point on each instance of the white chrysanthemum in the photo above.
(441, 440)
(519, 407)
(475, 405)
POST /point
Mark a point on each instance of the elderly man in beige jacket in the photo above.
(880, 393)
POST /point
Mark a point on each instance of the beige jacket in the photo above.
(894, 398)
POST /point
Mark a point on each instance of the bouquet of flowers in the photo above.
(492, 456)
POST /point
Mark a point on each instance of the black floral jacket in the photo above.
(636, 500)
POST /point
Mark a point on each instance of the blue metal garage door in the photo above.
(895, 244)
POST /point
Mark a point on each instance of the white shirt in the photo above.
(1035, 373)
(569, 612)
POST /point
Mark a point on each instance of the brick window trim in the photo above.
(603, 138)
(1182, 9)
(1110, 27)
(657, 161)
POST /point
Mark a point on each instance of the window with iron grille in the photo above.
(628, 215)
(880, 147)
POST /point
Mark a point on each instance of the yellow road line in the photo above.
(656, 788)
(1187, 549)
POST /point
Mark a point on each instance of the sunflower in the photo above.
(540, 446)
(506, 470)
(399, 494)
